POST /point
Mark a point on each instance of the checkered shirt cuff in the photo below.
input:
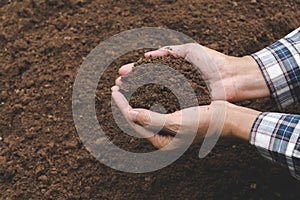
(280, 65)
(277, 137)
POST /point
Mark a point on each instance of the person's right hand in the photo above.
(229, 78)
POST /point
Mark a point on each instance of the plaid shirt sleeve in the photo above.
(276, 135)
(280, 65)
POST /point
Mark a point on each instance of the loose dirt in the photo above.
(42, 45)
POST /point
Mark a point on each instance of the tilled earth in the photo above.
(42, 45)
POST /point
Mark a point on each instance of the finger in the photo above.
(166, 143)
(147, 118)
(125, 69)
(121, 101)
(124, 107)
(160, 141)
(118, 81)
(157, 140)
(152, 120)
(175, 50)
(157, 53)
(115, 88)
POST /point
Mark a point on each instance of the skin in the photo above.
(229, 79)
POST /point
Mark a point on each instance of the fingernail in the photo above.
(118, 81)
(148, 54)
(115, 88)
(133, 114)
(167, 48)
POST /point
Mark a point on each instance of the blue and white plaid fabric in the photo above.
(277, 135)
(280, 65)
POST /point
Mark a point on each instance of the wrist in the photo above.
(221, 113)
(240, 121)
(247, 79)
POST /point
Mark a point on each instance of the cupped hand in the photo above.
(228, 78)
(183, 122)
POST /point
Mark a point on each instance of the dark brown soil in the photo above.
(43, 43)
(152, 81)
(160, 70)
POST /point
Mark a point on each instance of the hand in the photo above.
(229, 78)
(236, 122)
(183, 122)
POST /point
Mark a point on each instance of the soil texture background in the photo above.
(42, 45)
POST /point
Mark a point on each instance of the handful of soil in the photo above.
(172, 83)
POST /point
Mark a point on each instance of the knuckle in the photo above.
(146, 120)
(175, 115)
(173, 122)
(174, 127)
(167, 47)
(190, 46)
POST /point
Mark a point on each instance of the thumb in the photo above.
(147, 118)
